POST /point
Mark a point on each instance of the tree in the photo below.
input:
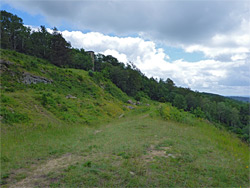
(41, 43)
(134, 82)
(191, 101)
(170, 84)
(11, 27)
(180, 102)
(80, 60)
(60, 49)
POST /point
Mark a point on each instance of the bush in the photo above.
(48, 99)
(140, 95)
(168, 112)
(9, 116)
(91, 73)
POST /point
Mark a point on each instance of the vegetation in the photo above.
(65, 123)
(53, 47)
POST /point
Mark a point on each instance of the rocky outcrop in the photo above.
(131, 102)
(33, 79)
(4, 65)
(138, 103)
(130, 107)
(70, 97)
(5, 62)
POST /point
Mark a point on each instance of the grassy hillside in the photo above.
(71, 97)
(76, 130)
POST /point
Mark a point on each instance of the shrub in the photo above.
(91, 73)
(12, 116)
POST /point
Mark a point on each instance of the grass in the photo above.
(136, 151)
(93, 140)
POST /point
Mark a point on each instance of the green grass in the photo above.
(93, 140)
(132, 152)
(42, 104)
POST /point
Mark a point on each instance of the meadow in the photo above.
(79, 131)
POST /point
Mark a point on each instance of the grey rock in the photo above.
(132, 173)
(138, 103)
(131, 102)
(33, 79)
(4, 65)
(4, 62)
(130, 107)
(70, 97)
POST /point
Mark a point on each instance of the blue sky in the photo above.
(203, 45)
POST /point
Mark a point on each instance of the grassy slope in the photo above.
(144, 148)
(45, 104)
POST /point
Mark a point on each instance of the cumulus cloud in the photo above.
(233, 46)
(172, 21)
(206, 75)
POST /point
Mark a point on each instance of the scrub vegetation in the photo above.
(66, 122)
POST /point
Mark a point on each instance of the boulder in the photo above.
(33, 79)
(4, 62)
(130, 107)
(131, 102)
(70, 97)
(4, 65)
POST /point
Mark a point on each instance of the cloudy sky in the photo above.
(200, 44)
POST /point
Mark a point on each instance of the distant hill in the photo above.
(243, 99)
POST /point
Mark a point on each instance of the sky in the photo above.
(199, 44)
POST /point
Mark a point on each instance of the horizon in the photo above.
(212, 60)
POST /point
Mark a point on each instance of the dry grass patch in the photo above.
(38, 175)
(159, 152)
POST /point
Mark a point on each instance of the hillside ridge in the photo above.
(81, 121)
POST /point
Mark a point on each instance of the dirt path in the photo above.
(38, 176)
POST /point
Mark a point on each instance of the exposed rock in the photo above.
(3, 68)
(132, 173)
(70, 97)
(147, 104)
(130, 107)
(43, 71)
(102, 86)
(6, 63)
(33, 79)
(171, 155)
(131, 102)
(97, 131)
(138, 103)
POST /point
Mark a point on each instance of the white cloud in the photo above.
(121, 57)
(205, 75)
(144, 53)
(218, 29)
(174, 21)
(231, 46)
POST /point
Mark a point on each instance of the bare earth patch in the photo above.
(161, 152)
(38, 175)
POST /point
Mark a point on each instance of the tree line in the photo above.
(52, 46)
(40, 43)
